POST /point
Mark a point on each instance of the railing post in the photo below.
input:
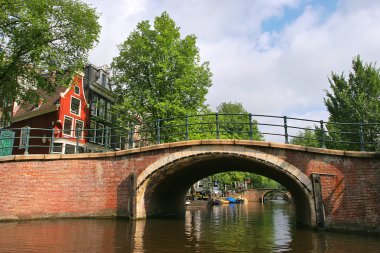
(158, 140)
(217, 124)
(130, 138)
(27, 141)
(187, 127)
(52, 141)
(106, 139)
(286, 130)
(323, 140)
(77, 134)
(361, 136)
(250, 127)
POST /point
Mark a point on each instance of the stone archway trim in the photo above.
(227, 149)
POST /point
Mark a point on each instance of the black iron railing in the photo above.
(347, 136)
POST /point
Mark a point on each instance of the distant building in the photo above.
(58, 118)
(85, 104)
(98, 89)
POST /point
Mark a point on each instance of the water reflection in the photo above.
(230, 228)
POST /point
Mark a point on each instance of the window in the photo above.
(23, 137)
(69, 149)
(94, 103)
(75, 106)
(57, 149)
(81, 149)
(101, 108)
(109, 113)
(79, 127)
(104, 80)
(76, 89)
(92, 131)
(68, 126)
(100, 133)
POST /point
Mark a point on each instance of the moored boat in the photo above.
(231, 200)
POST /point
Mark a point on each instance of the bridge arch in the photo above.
(162, 186)
(267, 191)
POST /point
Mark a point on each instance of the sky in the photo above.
(273, 56)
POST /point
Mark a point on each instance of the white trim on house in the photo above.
(71, 128)
(82, 128)
(63, 94)
(75, 87)
(80, 106)
(65, 142)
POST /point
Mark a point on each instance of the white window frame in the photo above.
(82, 128)
(23, 137)
(75, 89)
(79, 108)
(71, 128)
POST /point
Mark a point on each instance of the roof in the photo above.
(47, 104)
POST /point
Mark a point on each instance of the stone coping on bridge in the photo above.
(190, 143)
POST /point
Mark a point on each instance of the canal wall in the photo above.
(93, 185)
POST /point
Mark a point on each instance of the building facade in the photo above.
(53, 125)
(74, 119)
(101, 121)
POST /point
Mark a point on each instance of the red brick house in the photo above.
(58, 117)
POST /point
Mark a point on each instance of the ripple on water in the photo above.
(229, 228)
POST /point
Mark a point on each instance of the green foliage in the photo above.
(159, 75)
(356, 99)
(41, 43)
(307, 137)
(256, 181)
(234, 122)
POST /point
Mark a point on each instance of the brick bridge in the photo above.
(259, 194)
(330, 188)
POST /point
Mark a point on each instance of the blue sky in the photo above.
(290, 13)
(273, 56)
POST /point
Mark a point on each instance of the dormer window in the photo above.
(75, 106)
(104, 80)
(76, 89)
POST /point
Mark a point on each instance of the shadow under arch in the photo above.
(161, 187)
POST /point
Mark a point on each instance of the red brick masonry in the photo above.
(84, 185)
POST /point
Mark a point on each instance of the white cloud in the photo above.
(271, 72)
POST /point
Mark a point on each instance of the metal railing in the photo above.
(347, 136)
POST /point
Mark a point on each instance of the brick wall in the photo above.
(83, 185)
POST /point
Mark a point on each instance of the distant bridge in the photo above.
(330, 188)
(260, 194)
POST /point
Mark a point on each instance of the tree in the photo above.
(236, 123)
(232, 179)
(41, 43)
(354, 100)
(158, 74)
(307, 137)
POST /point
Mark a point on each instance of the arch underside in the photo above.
(162, 188)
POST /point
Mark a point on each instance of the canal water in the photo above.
(252, 227)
